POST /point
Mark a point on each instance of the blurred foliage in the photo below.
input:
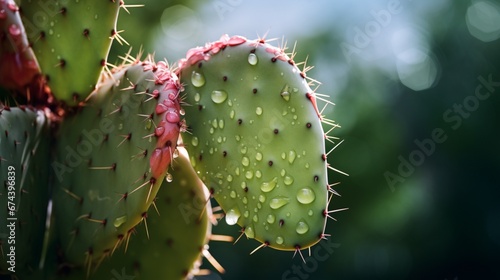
(425, 59)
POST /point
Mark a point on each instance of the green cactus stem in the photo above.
(257, 141)
(111, 158)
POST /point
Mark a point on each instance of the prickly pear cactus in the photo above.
(19, 65)
(111, 157)
(256, 139)
(24, 153)
(169, 244)
(71, 40)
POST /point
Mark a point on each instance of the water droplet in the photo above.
(291, 156)
(258, 174)
(302, 227)
(120, 126)
(284, 93)
(258, 156)
(278, 202)
(262, 198)
(310, 213)
(237, 172)
(51, 32)
(244, 149)
(169, 177)
(212, 130)
(197, 97)
(229, 178)
(270, 218)
(219, 96)
(221, 124)
(255, 218)
(246, 213)
(232, 216)
(197, 79)
(283, 155)
(252, 59)
(245, 161)
(219, 139)
(149, 124)
(283, 172)
(231, 114)
(249, 232)
(249, 175)
(244, 200)
(269, 186)
(232, 194)
(305, 196)
(279, 240)
(258, 111)
(120, 221)
(194, 141)
(288, 180)
(96, 16)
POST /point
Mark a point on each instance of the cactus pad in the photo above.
(71, 40)
(256, 139)
(170, 243)
(24, 153)
(111, 158)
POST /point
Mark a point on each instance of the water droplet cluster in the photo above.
(256, 140)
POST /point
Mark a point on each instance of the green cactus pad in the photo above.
(111, 158)
(177, 230)
(255, 137)
(71, 40)
(19, 65)
(24, 153)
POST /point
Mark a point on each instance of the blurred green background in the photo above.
(416, 87)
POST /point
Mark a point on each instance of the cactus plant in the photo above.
(111, 158)
(257, 141)
(24, 152)
(108, 143)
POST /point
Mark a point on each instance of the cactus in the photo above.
(19, 65)
(175, 232)
(67, 30)
(256, 139)
(111, 158)
(24, 151)
(107, 145)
